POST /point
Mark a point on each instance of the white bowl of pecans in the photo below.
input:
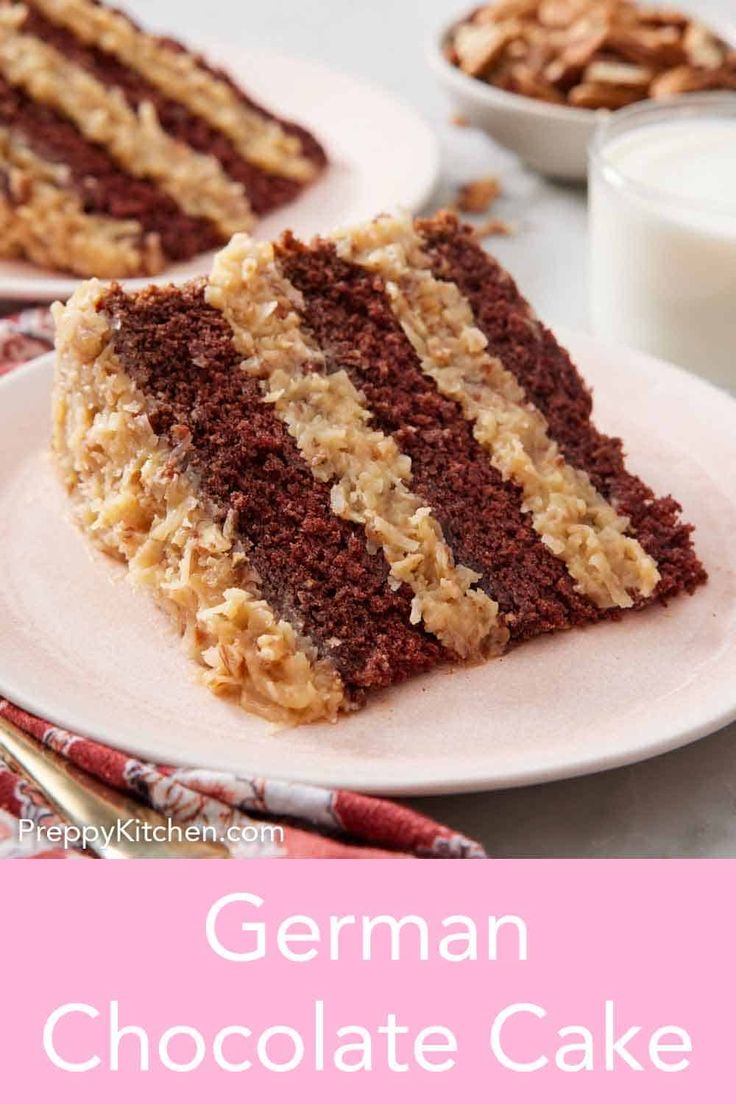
(534, 74)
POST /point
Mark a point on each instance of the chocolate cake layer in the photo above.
(369, 476)
(314, 568)
(265, 190)
(551, 381)
(347, 310)
(103, 187)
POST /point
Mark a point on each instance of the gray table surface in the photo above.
(681, 804)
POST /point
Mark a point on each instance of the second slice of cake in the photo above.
(341, 464)
(122, 152)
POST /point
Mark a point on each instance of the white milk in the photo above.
(663, 239)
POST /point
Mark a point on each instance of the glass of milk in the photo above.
(663, 231)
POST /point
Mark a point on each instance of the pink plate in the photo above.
(81, 647)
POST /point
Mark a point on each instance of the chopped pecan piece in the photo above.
(479, 46)
(618, 72)
(609, 96)
(702, 47)
(477, 196)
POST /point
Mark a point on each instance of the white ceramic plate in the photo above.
(383, 156)
(81, 647)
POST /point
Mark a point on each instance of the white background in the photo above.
(683, 804)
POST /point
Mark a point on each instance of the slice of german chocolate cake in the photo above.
(341, 464)
(122, 152)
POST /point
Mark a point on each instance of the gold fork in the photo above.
(80, 800)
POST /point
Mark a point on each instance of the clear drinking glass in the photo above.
(662, 202)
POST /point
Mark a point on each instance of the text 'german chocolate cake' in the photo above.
(341, 464)
(122, 152)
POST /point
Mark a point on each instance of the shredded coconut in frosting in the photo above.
(574, 521)
(133, 496)
(370, 477)
(42, 219)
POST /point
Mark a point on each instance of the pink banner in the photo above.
(571, 981)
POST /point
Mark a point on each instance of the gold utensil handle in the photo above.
(83, 801)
